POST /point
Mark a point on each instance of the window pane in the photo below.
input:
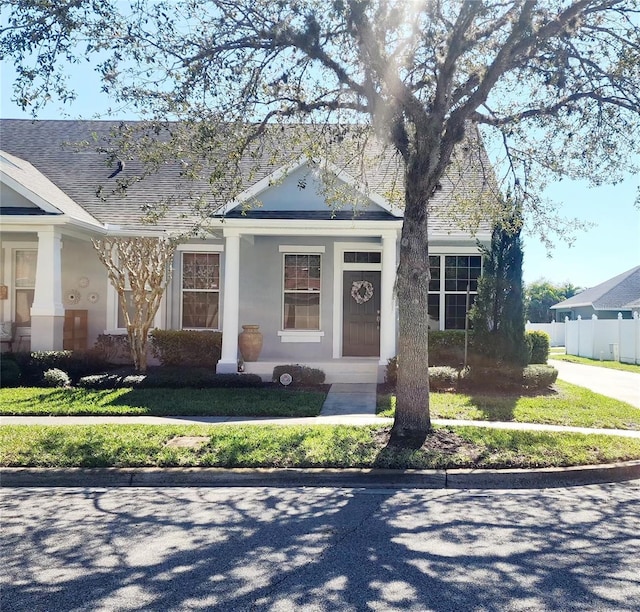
(26, 268)
(24, 301)
(200, 271)
(434, 311)
(434, 269)
(302, 272)
(200, 309)
(129, 298)
(301, 311)
(362, 257)
(455, 308)
(462, 270)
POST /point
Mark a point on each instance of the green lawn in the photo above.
(612, 365)
(568, 405)
(161, 402)
(300, 446)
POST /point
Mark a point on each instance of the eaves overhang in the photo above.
(16, 223)
(326, 227)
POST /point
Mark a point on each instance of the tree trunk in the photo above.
(412, 421)
(138, 343)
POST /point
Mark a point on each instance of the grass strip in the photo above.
(567, 404)
(160, 402)
(301, 446)
(611, 365)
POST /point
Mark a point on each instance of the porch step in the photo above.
(336, 371)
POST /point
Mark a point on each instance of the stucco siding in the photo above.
(80, 267)
(261, 278)
(302, 190)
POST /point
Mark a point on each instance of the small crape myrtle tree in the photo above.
(139, 269)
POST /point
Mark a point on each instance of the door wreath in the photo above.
(361, 291)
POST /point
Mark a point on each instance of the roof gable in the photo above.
(308, 186)
(28, 191)
(622, 292)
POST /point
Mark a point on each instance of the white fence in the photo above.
(555, 331)
(608, 339)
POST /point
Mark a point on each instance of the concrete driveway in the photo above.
(624, 386)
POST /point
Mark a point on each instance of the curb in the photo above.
(321, 477)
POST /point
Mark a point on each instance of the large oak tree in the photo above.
(556, 83)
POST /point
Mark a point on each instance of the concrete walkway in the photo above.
(350, 399)
(344, 419)
(624, 386)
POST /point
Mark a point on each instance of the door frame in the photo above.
(339, 267)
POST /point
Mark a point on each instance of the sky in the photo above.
(609, 247)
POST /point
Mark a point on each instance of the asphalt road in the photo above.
(327, 548)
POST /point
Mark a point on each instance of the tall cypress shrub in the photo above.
(497, 317)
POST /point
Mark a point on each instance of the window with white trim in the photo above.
(450, 276)
(301, 294)
(200, 290)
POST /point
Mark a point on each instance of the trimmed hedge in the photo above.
(34, 365)
(538, 343)
(440, 377)
(531, 377)
(539, 376)
(300, 374)
(186, 347)
(446, 348)
(113, 348)
(9, 371)
(484, 378)
(175, 378)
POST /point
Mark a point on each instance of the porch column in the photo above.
(387, 299)
(228, 363)
(47, 311)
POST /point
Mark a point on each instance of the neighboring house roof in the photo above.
(621, 292)
(37, 189)
(82, 173)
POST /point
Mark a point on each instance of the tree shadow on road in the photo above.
(320, 549)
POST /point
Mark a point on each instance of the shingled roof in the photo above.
(84, 175)
(621, 292)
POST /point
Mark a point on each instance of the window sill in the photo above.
(300, 335)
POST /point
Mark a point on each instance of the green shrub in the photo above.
(538, 343)
(532, 378)
(34, 365)
(539, 376)
(186, 348)
(391, 372)
(111, 381)
(55, 377)
(175, 378)
(75, 364)
(301, 375)
(446, 348)
(493, 378)
(442, 377)
(9, 372)
(113, 348)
